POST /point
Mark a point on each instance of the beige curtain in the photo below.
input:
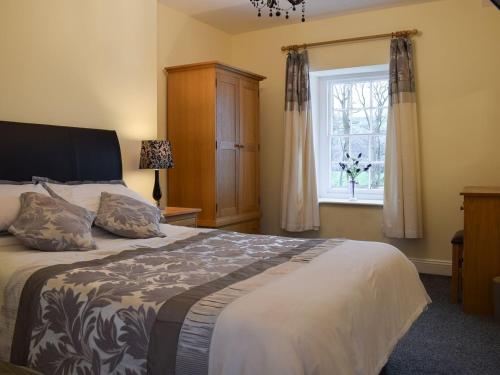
(299, 209)
(402, 216)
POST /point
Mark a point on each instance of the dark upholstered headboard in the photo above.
(58, 152)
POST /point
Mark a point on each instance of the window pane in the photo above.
(363, 178)
(338, 178)
(379, 120)
(380, 92)
(377, 176)
(357, 110)
(359, 144)
(378, 148)
(359, 122)
(341, 95)
(361, 95)
(339, 146)
(340, 122)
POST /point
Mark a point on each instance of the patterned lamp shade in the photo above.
(156, 154)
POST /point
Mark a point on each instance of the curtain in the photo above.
(299, 208)
(402, 215)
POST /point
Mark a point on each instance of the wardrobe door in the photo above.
(249, 184)
(227, 144)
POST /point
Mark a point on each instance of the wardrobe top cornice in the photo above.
(214, 65)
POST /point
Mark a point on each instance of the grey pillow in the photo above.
(128, 217)
(52, 224)
(7, 182)
(37, 179)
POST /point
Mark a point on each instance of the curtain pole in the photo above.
(402, 33)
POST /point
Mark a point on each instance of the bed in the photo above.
(196, 301)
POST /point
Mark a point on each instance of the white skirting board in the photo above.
(433, 266)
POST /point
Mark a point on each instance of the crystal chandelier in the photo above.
(276, 9)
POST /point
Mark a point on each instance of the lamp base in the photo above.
(157, 189)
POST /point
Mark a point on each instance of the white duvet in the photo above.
(342, 313)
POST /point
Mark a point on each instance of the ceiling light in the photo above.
(274, 7)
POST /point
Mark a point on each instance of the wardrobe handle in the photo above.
(237, 145)
(242, 146)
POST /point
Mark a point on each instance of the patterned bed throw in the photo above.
(145, 311)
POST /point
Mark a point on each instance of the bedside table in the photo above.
(187, 217)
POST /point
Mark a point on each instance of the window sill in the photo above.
(359, 202)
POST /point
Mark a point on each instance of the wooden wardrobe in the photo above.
(213, 126)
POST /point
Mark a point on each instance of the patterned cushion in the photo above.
(51, 224)
(128, 217)
(9, 200)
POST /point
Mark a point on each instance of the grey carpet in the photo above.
(446, 341)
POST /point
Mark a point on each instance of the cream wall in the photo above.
(88, 63)
(458, 82)
(184, 40)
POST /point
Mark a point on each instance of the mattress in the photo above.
(207, 302)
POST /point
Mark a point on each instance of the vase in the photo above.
(352, 190)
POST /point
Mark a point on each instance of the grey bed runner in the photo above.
(144, 311)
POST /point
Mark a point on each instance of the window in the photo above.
(350, 116)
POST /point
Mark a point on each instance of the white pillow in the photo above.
(10, 205)
(88, 196)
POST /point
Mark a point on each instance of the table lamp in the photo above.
(156, 154)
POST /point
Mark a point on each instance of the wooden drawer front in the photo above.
(249, 227)
(481, 252)
(189, 222)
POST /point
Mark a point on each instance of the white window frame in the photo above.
(321, 113)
